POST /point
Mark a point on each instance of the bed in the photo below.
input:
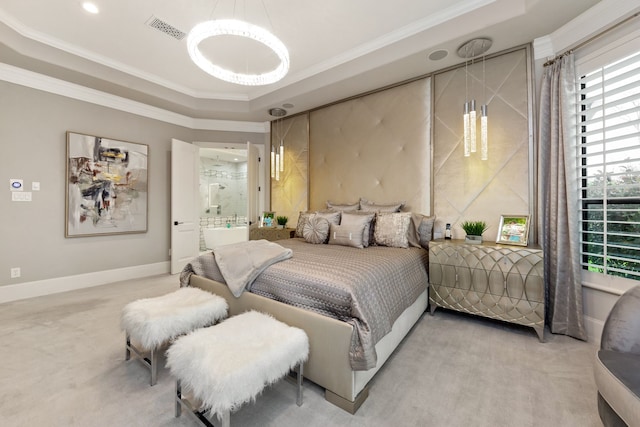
(356, 306)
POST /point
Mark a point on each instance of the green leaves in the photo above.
(474, 228)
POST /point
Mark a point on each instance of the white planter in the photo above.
(473, 240)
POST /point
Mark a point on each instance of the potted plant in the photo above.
(282, 221)
(474, 230)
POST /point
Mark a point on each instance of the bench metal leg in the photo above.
(198, 416)
(300, 389)
(178, 399)
(154, 366)
(225, 419)
(127, 353)
(151, 362)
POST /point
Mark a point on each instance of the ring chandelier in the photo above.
(232, 27)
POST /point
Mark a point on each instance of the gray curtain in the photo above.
(559, 228)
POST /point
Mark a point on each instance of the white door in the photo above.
(253, 183)
(185, 227)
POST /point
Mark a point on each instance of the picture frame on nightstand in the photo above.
(268, 219)
(513, 230)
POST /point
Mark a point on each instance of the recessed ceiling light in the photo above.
(90, 7)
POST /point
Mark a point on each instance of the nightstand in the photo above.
(497, 281)
(271, 233)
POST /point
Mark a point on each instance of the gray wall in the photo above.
(32, 133)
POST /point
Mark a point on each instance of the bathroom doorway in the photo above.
(227, 199)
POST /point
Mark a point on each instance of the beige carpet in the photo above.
(62, 364)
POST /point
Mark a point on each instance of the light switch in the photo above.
(35, 186)
(21, 196)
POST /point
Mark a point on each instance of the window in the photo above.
(610, 168)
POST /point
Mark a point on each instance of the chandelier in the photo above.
(233, 27)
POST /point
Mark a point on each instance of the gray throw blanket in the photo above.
(240, 263)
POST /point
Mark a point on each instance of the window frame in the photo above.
(586, 63)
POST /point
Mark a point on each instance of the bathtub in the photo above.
(223, 236)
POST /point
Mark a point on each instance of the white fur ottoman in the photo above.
(229, 364)
(152, 322)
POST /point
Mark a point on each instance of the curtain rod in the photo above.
(591, 39)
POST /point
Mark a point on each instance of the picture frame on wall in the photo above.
(268, 219)
(513, 230)
(106, 186)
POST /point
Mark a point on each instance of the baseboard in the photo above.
(594, 329)
(69, 283)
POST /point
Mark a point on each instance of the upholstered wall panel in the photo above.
(467, 188)
(376, 146)
(290, 195)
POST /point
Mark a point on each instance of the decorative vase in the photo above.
(473, 240)
(281, 226)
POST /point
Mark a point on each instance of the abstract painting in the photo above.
(107, 185)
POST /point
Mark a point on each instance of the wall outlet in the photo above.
(15, 272)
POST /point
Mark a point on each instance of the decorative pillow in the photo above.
(392, 229)
(346, 235)
(302, 220)
(357, 219)
(344, 207)
(332, 216)
(366, 205)
(420, 230)
(316, 230)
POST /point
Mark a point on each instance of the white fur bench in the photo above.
(152, 322)
(229, 364)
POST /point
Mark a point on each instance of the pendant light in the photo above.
(465, 115)
(469, 51)
(277, 153)
(484, 118)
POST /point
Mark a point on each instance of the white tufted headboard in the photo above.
(377, 147)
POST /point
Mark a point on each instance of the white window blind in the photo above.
(610, 168)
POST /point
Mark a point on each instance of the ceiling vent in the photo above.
(160, 25)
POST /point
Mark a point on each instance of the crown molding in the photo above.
(388, 39)
(19, 76)
(586, 25)
(543, 47)
(37, 36)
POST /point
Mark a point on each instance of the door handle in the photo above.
(176, 222)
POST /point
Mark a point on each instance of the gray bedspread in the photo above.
(367, 288)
